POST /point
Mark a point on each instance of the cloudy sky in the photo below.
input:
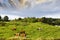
(30, 8)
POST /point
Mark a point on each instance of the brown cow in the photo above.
(22, 34)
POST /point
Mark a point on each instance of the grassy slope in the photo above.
(47, 31)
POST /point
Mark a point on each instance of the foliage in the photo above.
(0, 18)
(57, 22)
(1, 38)
(6, 18)
(19, 18)
(29, 19)
(2, 23)
(50, 21)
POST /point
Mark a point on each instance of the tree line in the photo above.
(5, 18)
(50, 21)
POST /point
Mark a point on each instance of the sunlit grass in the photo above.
(31, 29)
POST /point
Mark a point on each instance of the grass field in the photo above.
(33, 30)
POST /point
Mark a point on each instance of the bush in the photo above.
(2, 23)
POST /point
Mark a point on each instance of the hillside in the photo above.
(33, 30)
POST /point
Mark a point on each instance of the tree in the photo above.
(19, 18)
(6, 18)
(33, 19)
(57, 22)
(44, 19)
(49, 20)
(0, 18)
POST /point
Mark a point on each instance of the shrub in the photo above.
(2, 38)
(2, 23)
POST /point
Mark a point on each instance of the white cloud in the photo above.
(34, 8)
(40, 1)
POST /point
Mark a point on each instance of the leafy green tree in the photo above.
(57, 22)
(30, 19)
(6, 18)
(24, 20)
(0, 18)
(19, 18)
(49, 20)
(38, 19)
(33, 19)
(44, 19)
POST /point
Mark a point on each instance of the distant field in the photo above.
(33, 30)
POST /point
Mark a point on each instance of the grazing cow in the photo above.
(22, 34)
(17, 34)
